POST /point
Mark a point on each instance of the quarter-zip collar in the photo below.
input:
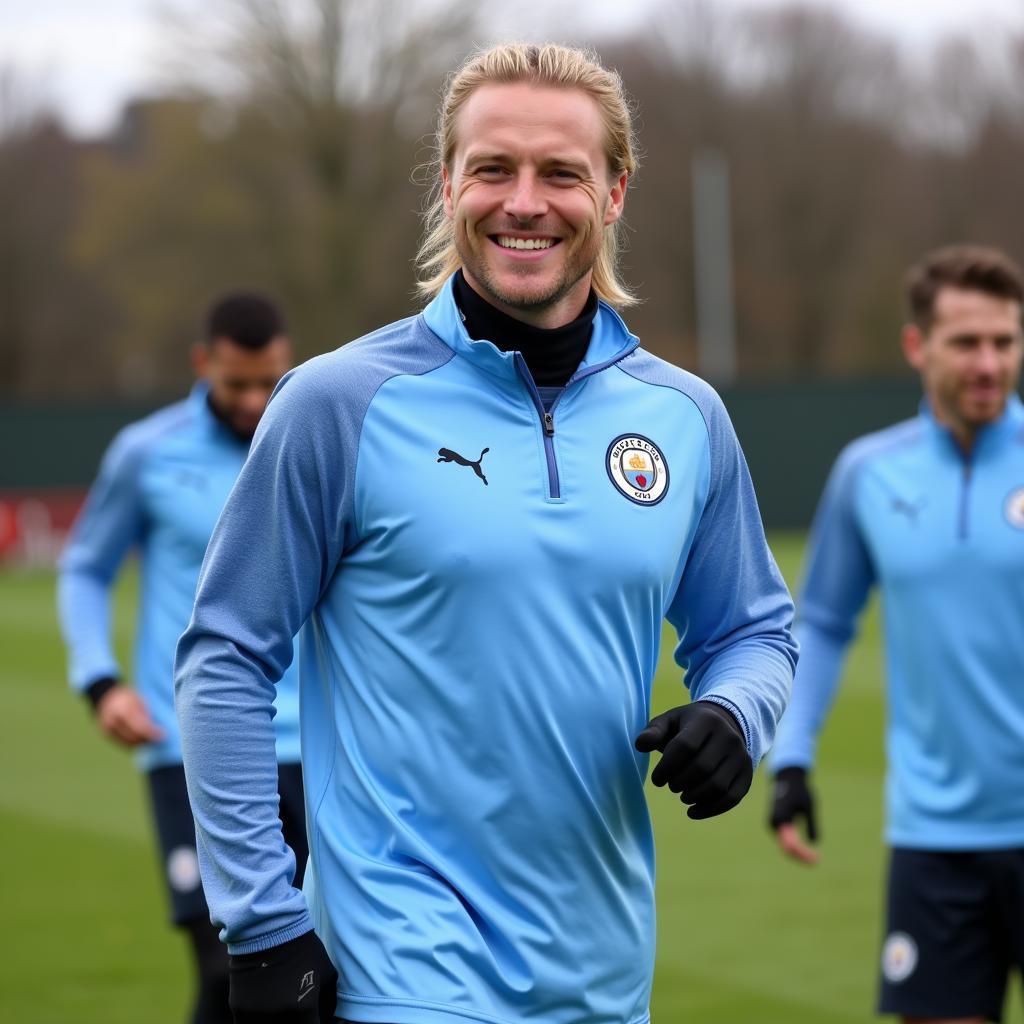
(989, 438)
(552, 354)
(610, 340)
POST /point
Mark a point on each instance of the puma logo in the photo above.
(909, 509)
(447, 455)
(307, 985)
(189, 478)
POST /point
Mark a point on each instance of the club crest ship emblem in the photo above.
(637, 468)
(1014, 508)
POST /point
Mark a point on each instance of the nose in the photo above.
(987, 361)
(254, 401)
(526, 200)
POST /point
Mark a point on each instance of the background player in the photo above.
(161, 487)
(932, 512)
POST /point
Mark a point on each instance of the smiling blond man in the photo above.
(479, 518)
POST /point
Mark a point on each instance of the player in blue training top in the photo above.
(161, 487)
(480, 517)
(932, 512)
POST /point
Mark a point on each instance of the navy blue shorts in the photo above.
(176, 834)
(954, 932)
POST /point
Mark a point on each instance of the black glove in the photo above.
(294, 983)
(703, 757)
(792, 799)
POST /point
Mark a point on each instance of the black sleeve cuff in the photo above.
(95, 692)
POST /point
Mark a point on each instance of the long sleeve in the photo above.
(273, 551)
(110, 523)
(732, 609)
(838, 577)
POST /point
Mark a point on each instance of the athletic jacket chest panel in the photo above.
(925, 514)
(950, 566)
(451, 481)
(184, 487)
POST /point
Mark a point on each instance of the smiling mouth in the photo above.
(528, 244)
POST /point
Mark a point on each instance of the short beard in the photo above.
(245, 436)
(528, 303)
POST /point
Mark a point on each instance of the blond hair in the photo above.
(548, 65)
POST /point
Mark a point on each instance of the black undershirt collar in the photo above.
(552, 356)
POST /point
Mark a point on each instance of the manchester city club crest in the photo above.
(637, 468)
(899, 957)
(1014, 508)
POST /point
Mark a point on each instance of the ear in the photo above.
(913, 342)
(446, 191)
(200, 359)
(616, 199)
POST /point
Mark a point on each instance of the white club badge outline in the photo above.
(643, 447)
(1013, 508)
(899, 957)
(183, 869)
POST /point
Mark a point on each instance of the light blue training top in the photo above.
(479, 645)
(943, 537)
(160, 489)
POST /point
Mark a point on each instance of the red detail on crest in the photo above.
(641, 481)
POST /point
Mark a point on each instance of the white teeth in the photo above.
(525, 243)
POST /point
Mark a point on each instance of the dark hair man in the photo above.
(932, 512)
(161, 487)
(480, 517)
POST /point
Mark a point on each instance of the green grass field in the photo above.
(743, 935)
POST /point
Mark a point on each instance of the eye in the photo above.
(489, 171)
(560, 174)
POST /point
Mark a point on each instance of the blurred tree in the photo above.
(284, 163)
(174, 217)
(52, 317)
(839, 174)
(347, 84)
(815, 154)
(297, 181)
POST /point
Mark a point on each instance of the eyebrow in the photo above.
(486, 157)
(977, 335)
(570, 163)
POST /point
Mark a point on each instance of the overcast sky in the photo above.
(88, 56)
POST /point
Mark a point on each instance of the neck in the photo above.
(965, 434)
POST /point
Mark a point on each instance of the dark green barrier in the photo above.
(791, 435)
(58, 445)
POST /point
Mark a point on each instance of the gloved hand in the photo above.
(294, 983)
(792, 799)
(703, 757)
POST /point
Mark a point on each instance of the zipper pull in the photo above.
(549, 425)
